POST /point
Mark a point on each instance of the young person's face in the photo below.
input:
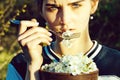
(72, 15)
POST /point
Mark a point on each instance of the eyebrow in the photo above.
(49, 4)
(76, 2)
(52, 4)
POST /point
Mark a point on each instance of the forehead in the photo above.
(61, 1)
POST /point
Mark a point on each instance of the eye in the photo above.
(76, 5)
(52, 8)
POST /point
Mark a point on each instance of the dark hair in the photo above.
(40, 3)
(40, 19)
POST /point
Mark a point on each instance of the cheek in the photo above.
(50, 18)
(82, 20)
(84, 15)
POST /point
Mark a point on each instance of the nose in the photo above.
(65, 16)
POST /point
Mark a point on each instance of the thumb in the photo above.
(34, 20)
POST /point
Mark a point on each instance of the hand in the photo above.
(32, 39)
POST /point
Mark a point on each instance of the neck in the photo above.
(78, 45)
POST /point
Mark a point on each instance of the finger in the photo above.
(33, 44)
(35, 36)
(34, 20)
(33, 31)
(25, 24)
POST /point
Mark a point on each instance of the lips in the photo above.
(66, 34)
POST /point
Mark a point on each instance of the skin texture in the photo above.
(61, 16)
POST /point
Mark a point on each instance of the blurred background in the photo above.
(105, 27)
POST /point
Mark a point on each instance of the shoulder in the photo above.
(108, 61)
(12, 73)
(19, 61)
(110, 49)
(19, 64)
(19, 58)
(108, 52)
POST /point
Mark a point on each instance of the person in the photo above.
(61, 16)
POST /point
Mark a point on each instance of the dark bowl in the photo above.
(66, 76)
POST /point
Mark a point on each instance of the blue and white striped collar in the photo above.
(92, 53)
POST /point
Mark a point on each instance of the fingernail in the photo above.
(49, 43)
(37, 23)
(51, 39)
(50, 34)
(18, 39)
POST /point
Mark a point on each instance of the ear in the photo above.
(94, 4)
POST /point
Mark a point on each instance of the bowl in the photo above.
(44, 75)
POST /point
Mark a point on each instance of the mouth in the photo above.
(68, 35)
